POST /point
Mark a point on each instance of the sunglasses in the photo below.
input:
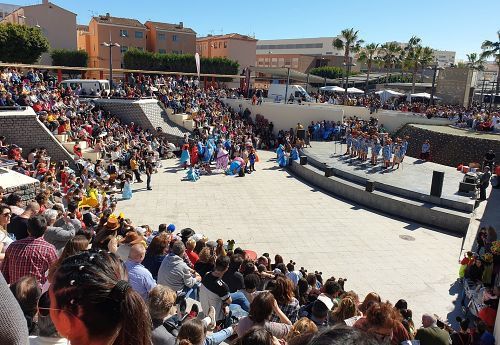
(44, 312)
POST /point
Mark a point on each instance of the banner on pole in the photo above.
(197, 58)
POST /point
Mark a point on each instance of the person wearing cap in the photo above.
(175, 273)
(125, 245)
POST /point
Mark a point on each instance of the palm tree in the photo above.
(492, 49)
(368, 55)
(425, 59)
(391, 53)
(350, 43)
(475, 61)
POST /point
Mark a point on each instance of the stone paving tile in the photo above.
(270, 211)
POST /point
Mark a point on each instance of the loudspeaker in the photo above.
(465, 187)
(370, 186)
(329, 172)
(301, 134)
(437, 183)
(303, 160)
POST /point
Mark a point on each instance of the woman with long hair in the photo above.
(93, 303)
(76, 245)
(156, 252)
(5, 240)
(261, 309)
(302, 331)
(346, 309)
(284, 295)
(205, 263)
(194, 332)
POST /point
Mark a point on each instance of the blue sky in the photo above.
(457, 25)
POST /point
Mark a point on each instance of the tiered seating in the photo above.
(87, 152)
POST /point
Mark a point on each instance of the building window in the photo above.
(225, 44)
(123, 49)
(220, 44)
(123, 33)
(162, 51)
(174, 38)
(139, 34)
(214, 45)
(161, 36)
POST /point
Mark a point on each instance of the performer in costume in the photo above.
(185, 157)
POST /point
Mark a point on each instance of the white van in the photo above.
(277, 93)
(89, 86)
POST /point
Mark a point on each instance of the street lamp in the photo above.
(269, 57)
(348, 70)
(110, 45)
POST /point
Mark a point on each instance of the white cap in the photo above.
(140, 230)
(326, 301)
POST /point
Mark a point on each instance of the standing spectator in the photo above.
(19, 225)
(484, 183)
(425, 154)
(149, 172)
(139, 277)
(134, 166)
(32, 255)
(431, 334)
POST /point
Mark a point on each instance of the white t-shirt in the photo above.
(5, 239)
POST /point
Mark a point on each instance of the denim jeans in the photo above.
(240, 299)
(219, 337)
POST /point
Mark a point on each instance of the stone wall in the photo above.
(13, 182)
(448, 149)
(286, 116)
(453, 85)
(148, 113)
(22, 127)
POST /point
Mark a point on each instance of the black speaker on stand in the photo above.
(437, 183)
(301, 134)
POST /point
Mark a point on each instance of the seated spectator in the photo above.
(161, 303)
(174, 272)
(76, 245)
(30, 256)
(91, 302)
(206, 262)
(194, 332)
(261, 309)
(233, 278)
(155, 253)
(27, 292)
(302, 331)
(430, 333)
(139, 277)
(190, 245)
(14, 200)
(257, 336)
(343, 335)
(284, 295)
(125, 245)
(58, 236)
(47, 333)
(19, 225)
(346, 310)
(13, 329)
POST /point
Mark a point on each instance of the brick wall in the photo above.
(22, 127)
(25, 186)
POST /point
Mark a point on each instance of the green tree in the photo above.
(21, 43)
(350, 42)
(369, 55)
(492, 49)
(475, 61)
(330, 72)
(426, 57)
(391, 53)
(71, 58)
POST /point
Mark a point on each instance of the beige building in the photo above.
(56, 23)
(165, 38)
(235, 47)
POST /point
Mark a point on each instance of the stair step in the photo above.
(91, 154)
(68, 145)
(61, 137)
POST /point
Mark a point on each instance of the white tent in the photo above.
(386, 94)
(332, 89)
(423, 95)
(354, 90)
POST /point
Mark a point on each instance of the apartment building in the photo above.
(57, 24)
(168, 38)
(444, 58)
(233, 46)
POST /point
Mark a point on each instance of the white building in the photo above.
(299, 46)
(444, 58)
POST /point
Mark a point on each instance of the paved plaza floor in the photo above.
(271, 211)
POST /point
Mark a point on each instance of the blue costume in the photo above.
(127, 191)
(376, 148)
(387, 152)
(280, 150)
(234, 168)
(185, 158)
(193, 175)
(348, 140)
(294, 155)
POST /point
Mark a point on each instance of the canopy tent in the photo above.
(354, 90)
(423, 95)
(387, 93)
(332, 89)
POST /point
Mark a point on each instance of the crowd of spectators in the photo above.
(81, 271)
